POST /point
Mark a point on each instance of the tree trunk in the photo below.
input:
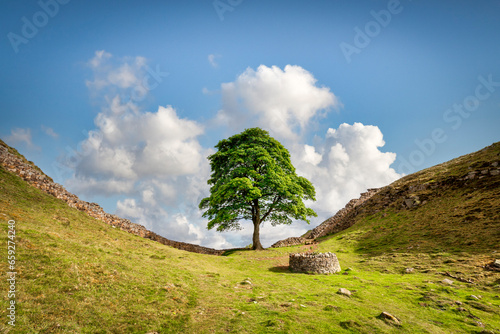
(256, 238)
(256, 226)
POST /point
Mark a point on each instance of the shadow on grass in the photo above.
(280, 269)
(234, 250)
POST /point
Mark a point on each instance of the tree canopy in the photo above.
(253, 179)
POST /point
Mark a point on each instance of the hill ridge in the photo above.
(14, 162)
(409, 192)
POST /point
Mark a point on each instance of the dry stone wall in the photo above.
(29, 173)
(319, 263)
(343, 219)
(292, 241)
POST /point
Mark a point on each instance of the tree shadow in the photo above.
(231, 251)
(280, 269)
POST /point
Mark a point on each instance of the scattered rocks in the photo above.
(480, 173)
(409, 270)
(411, 202)
(344, 292)
(389, 318)
(318, 263)
(447, 281)
(493, 265)
(246, 281)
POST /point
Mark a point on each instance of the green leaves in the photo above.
(253, 179)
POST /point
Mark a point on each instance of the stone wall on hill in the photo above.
(33, 176)
(292, 241)
(342, 219)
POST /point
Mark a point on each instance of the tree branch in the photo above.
(271, 207)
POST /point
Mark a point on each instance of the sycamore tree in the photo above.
(253, 179)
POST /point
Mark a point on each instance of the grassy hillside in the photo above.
(452, 207)
(79, 275)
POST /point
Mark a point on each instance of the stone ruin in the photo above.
(318, 263)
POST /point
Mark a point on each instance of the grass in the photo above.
(79, 275)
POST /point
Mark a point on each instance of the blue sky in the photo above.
(425, 75)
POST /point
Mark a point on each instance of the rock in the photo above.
(409, 203)
(474, 297)
(246, 281)
(496, 263)
(494, 172)
(344, 292)
(447, 281)
(409, 270)
(390, 318)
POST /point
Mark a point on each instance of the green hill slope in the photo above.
(452, 207)
(76, 274)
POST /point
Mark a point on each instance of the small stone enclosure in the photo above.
(318, 263)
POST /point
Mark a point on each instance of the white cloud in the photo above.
(131, 78)
(20, 136)
(311, 156)
(106, 73)
(211, 60)
(98, 185)
(152, 158)
(282, 101)
(347, 162)
(49, 132)
(99, 58)
(132, 147)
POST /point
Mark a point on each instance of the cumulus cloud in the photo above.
(20, 136)
(283, 101)
(346, 162)
(128, 147)
(151, 162)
